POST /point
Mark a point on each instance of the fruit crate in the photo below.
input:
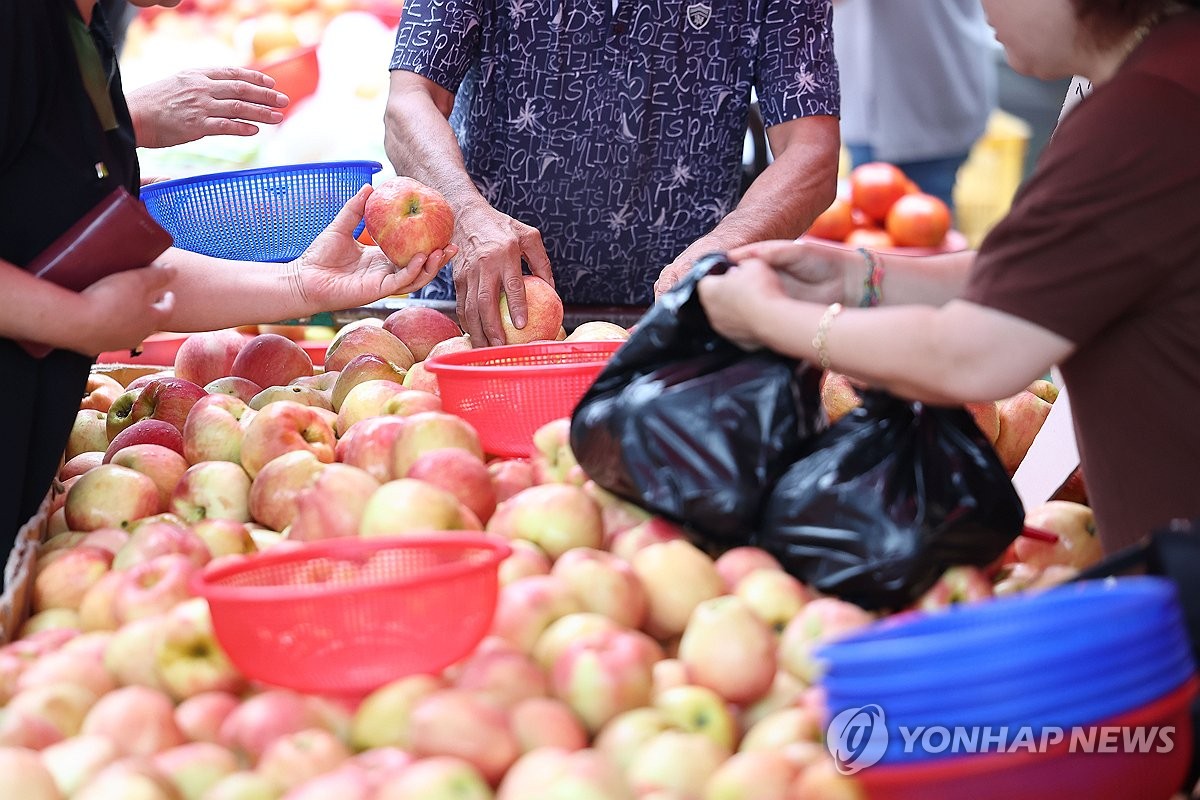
(991, 176)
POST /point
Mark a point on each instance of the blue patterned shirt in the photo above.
(619, 136)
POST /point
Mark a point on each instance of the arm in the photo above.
(204, 102)
(420, 143)
(956, 353)
(783, 201)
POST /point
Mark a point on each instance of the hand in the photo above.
(204, 102)
(492, 246)
(808, 270)
(671, 275)
(122, 309)
(337, 271)
(733, 301)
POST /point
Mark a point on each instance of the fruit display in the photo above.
(622, 660)
(879, 207)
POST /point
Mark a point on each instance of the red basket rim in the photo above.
(472, 362)
(204, 582)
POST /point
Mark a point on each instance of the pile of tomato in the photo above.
(882, 209)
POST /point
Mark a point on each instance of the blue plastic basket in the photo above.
(264, 214)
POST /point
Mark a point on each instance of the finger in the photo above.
(764, 250)
(351, 214)
(239, 92)
(240, 74)
(244, 110)
(465, 281)
(534, 251)
(490, 285)
(219, 126)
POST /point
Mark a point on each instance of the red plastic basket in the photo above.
(346, 616)
(508, 392)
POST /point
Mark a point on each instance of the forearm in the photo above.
(214, 293)
(35, 310)
(907, 280)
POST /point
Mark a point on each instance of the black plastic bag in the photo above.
(887, 499)
(686, 424)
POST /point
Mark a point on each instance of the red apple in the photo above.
(363, 368)
(215, 428)
(271, 360)
(958, 584)
(367, 444)
(195, 767)
(64, 582)
(264, 717)
(200, 716)
(283, 427)
(457, 723)
(42, 715)
(526, 607)
(420, 328)
(25, 776)
(243, 389)
(603, 674)
(729, 650)
(677, 577)
(161, 464)
(544, 313)
(736, 563)
(110, 496)
(146, 431)
(332, 504)
(604, 584)
(139, 720)
(406, 218)
(276, 486)
(81, 463)
(526, 559)
(153, 587)
(160, 536)
(556, 516)
(168, 399)
(297, 757)
(189, 659)
(1021, 417)
(205, 357)
(212, 490)
(367, 340)
(510, 475)
(408, 504)
(462, 474)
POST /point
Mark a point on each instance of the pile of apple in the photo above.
(623, 662)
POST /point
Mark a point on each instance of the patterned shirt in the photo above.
(618, 135)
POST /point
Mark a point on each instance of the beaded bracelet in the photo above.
(873, 283)
(820, 341)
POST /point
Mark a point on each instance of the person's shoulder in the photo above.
(1171, 53)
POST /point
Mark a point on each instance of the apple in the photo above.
(553, 461)
(161, 464)
(140, 720)
(120, 413)
(212, 490)
(74, 762)
(193, 768)
(80, 463)
(1021, 417)
(305, 395)
(462, 474)
(548, 773)
(97, 610)
(204, 357)
(604, 584)
(110, 496)
(525, 559)
(502, 677)
(345, 782)
(603, 674)
(376, 322)
(168, 399)
(598, 331)
(697, 709)
(436, 778)
(655, 530)
(729, 650)
(822, 781)
(820, 621)
(332, 504)
(131, 650)
(134, 778)
(367, 444)
(461, 724)
(1073, 523)
(153, 587)
(565, 631)
(243, 389)
(101, 392)
(264, 717)
(161, 537)
(368, 340)
(527, 606)
(145, 431)
(284, 427)
(50, 619)
(556, 516)
(224, 537)
(42, 715)
(677, 577)
(25, 776)
(296, 757)
(544, 309)
(366, 399)
(510, 475)
(546, 722)
(410, 505)
(675, 762)
(431, 430)
(269, 359)
(758, 775)
(617, 514)
(958, 584)
(455, 344)
(1073, 489)
(214, 429)
(736, 563)
(89, 433)
(669, 673)
(189, 659)
(406, 218)
(775, 731)
(243, 785)
(382, 718)
(275, 488)
(774, 596)
(420, 328)
(838, 395)
(141, 381)
(64, 582)
(199, 717)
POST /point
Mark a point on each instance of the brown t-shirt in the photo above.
(1102, 246)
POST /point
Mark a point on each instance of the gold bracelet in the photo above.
(820, 341)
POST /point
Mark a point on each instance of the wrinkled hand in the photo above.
(808, 271)
(338, 272)
(204, 102)
(124, 308)
(670, 276)
(492, 245)
(732, 301)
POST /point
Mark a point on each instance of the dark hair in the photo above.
(1109, 20)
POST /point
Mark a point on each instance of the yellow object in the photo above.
(993, 172)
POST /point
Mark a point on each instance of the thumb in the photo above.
(352, 213)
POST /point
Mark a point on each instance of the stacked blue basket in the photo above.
(1072, 656)
(265, 214)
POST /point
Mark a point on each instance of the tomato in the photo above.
(918, 220)
(871, 238)
(860, 219)
(834, 222)
(875, 186)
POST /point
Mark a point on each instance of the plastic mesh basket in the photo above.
(508, 392)
(346, 616)
(264, 214)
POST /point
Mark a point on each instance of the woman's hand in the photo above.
(337, 271)
(734, 301)
(121, 310)
(204, 102)
(808, 270)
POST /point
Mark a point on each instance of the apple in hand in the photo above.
(406, 218)
(544, 313)
(420, 328)
(204, 357)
